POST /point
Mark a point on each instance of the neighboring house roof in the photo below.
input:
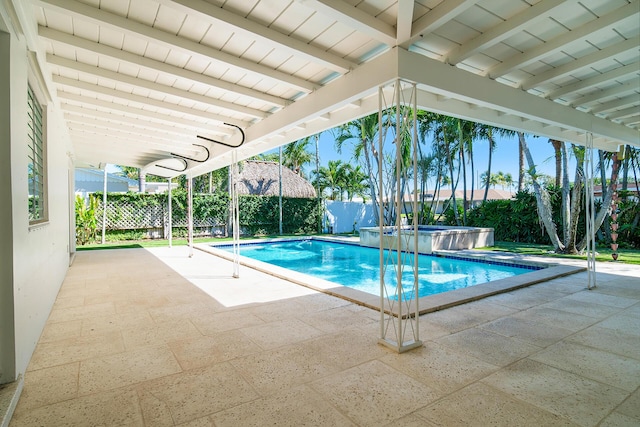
(597, 189)
(262, 178)
(91, 177)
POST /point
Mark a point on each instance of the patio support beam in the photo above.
(190, 213)
(436, 18)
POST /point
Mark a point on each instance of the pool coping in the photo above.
(426, 304)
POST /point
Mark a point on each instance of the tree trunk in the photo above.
(486, 187)
(605, 209)
(566, 196)
(625, 169)
(520, 162)
(576, 198)
(453, 187)
(557, 146)
(543, 203)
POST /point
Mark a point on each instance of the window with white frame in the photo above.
(37, 165)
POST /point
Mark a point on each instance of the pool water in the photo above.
(358, 267)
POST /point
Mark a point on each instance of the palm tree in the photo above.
(332, 177)
(296, 155)
(557, 150)
(355, 182)
(521, 141)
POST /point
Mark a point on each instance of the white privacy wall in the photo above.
(345, 217)
(34, 259)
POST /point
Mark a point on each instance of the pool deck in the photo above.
(153, 337)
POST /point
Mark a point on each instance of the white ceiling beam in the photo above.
(143, 100)
(157, 66)
(404, 21)
(631, 111)
(355, 18)
(557, 44)
(496, 34)
(437, 17)
(585, 61)
(140, 140)
(470, 88)
(218, 16)
(616, 73)
(152, 86)
(77, 112)
(616, 90)
(118, 23)
(128, 127)
(617, 104)
(155, 116)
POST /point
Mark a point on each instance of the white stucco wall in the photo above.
(39, 255)
(344, 217)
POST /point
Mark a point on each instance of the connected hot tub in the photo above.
(430, 237)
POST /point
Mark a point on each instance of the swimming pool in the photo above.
(358, 267)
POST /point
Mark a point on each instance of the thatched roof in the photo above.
(259, 177)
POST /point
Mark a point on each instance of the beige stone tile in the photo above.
(154, 411)
(113, 408)
(75, 349)
(482, 405)
(374, 393)
(611, 340)
(67, 302)
(278, 310)
(623, 322)
(197, 393)
(199, 422)
(283, 368)
(49, 385)
(439, 367)
(61, 331)
(117, 323)
(299, 406)
(631, 406)
(82, 312)
(319, 302)
(170, 313)
(346, 348)
(549, 316)
(215, 323)
(466, 316)
(597, 311)
(571, 396)
(619, 420)
(536, 333)
(159, 333)
(597, 297)
(526, 298)
(598, 365)
(126, 368)
(283, 332)
(202, 351)
(335, 319)
(411, 420)
(487, 346)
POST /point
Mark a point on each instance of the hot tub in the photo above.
(430, 237)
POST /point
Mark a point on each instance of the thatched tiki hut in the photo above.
(261, 178)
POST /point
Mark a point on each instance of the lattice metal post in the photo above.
(399, 302)
(169, 219)
(235, 213)
(590, 213)
(190, 214)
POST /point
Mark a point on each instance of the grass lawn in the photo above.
(628, 256)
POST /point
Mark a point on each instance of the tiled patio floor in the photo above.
(132, 341)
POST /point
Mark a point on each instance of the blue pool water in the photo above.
(358, 267)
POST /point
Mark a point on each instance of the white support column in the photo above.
(190, 214)
(104, 205)
(590, 213)
(169, 219)
(235, 213)
(399, 308)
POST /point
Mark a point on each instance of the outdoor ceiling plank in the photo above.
(136, 137)
(631, 111)
(185, 124)
(355, 18)
(456, 83)
(154, 35)
(616, 73)
(143, 100)
(602, 94)
(618, 104)
(585, 61)
(156, 87)
(496, 34)
(404, 21)
(219, 16)
(557, 44)
(436, 18)
(153, 65)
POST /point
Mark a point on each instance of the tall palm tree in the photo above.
(296, 155)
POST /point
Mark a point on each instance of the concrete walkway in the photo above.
(152, 337)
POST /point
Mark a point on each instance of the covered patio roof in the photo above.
(140, 80)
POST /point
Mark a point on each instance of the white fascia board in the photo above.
(452, 82)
